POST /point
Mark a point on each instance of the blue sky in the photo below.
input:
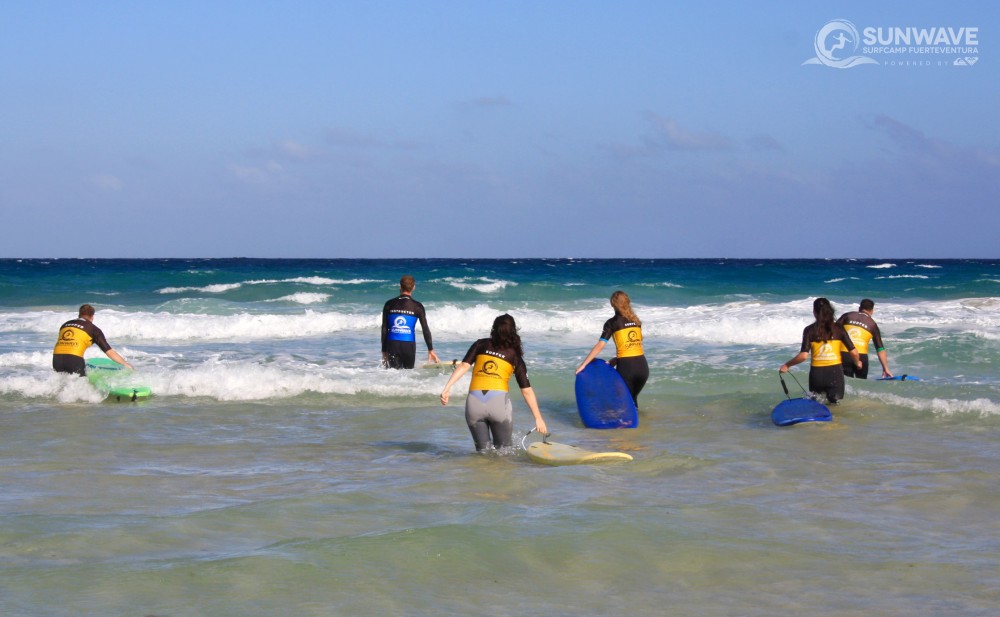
(491, 129)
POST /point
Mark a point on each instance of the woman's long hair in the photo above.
(623, 306)
(504, 334)
(823, 312)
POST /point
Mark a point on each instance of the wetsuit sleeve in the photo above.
(521, 374)
(385, 326)
(877, 339)
(422, 314)
(609, 330)
(99, 339)
(470, 356)
(805, 340)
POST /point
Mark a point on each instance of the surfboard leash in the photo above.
(523, 447)
(785, 388)
(545, 438)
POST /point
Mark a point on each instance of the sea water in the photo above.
(278, 470)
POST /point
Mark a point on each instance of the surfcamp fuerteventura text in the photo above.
(839, 44)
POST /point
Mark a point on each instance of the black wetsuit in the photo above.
(75, 336)
(488, 410)
(399, 319)
(864, 332)
(631, 361)
(826, 372)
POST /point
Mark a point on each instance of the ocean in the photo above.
(278, 470)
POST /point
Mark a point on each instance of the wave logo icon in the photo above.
(837, 46)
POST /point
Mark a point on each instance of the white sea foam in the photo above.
(212, 289)
(245, 381)
(744, 322)
(882, 266)
(902, 276)
(481, 284)
(225, 378)
(165, 327)
(303, 298)
(305, 280)
(25, 359)
(981, 407)
(929, 266)
(319, 280)
(738, 323)
(47, 384)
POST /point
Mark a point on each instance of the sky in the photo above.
(464, 128)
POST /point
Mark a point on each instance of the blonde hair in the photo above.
(623, 306)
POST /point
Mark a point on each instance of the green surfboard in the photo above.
(109, 376)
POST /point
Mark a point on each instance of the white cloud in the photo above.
(295, 150)
(671, 135)
(107, 182)
(268, 173)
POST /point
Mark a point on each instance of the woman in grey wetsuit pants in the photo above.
(488, 410)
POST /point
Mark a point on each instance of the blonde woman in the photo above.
(625, 329)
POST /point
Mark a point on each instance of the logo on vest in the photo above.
(400, 325)
(489, 369)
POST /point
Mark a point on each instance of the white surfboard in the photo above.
(551, 453)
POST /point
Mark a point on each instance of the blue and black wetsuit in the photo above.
(399, 340)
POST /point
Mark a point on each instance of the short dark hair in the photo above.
(86, 311)
(407, 283)
(867, 305)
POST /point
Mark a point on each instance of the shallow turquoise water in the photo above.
(279, 471)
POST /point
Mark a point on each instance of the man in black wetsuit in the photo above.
(75, 336)
(864, 332)
(399, 319)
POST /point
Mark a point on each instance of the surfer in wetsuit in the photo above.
(488, 410)
(864, 332)
(75, 336)
(824, 339)
(626, 331)
(399, 319)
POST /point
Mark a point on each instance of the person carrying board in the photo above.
(825, 340)
(864, 332)
(488, 410)
(626, 331)
(75, 336)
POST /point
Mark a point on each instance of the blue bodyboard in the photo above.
(900, 378)
(603, 398)
(797, 410)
